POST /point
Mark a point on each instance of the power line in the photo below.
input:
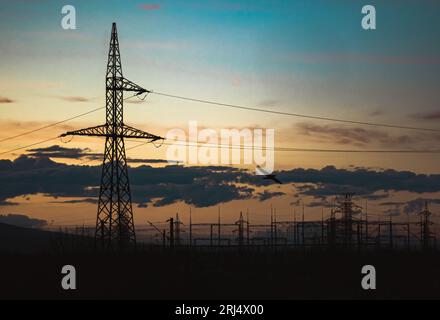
(59, 122)
(394, 126)
(241, 147)
(51, 125)
(48, 126)
(286, 149)
(188, 143)
(29, 145)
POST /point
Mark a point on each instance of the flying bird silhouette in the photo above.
(268, 176)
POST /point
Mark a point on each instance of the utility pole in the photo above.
(322, 227)
(275, 227)
(114, 223)
(294, 228)
(366, 224)
(171, 221)
(391, 232)
(247, 226)
(177, 230)
(271, 225)
(219, 227)
(303, 226)
(190, 227)
(240, 224)
(425, 226)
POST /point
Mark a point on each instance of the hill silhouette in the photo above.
(15, 239)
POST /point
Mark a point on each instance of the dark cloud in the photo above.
(75, 99)
(56, 151)
(269, 103)
(321, 203)
(432, 115)
(377, 113)
(6, 100)
(266, 195)
(375, 197)
(7, 203)
(413, 206)
(393, 212)
(355, 136)
(86, 200)
(332, 181)
(417, 205)
(21, 220)
(152, 161)
(200, 186)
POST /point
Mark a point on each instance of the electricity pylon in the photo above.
(114, 223)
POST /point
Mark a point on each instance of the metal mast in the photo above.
(114, 223)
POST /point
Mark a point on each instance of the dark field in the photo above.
(158, 273)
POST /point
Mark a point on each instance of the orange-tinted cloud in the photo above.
(149, 6)
(75, 99)
(6, 100)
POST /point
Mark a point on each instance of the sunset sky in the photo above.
(305, 57)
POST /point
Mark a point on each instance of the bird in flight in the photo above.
(268, 176)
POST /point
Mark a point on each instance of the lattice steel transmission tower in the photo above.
(344, 226)
(114, 223)
(427, 237)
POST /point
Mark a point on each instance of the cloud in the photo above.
(321, 203)
(375, 196)
(266, 194)
(269, 103)
(21, 220)
(198, 186)
(332, 181)
(6, 100)
(417, 205)
(86, 200)
(7, 203)
(57, 151)
(201, 193)
(149, 6)
(429, 116)
(75, 99)
(349, 135)
(393, 212)
(377, 113)
(414, 206)
(201, 186)
(134, 160)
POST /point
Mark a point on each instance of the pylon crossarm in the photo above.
(130, 132)
(99, 131)
(126, 85)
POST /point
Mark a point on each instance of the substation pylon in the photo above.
(344, 227)
(114, 223)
